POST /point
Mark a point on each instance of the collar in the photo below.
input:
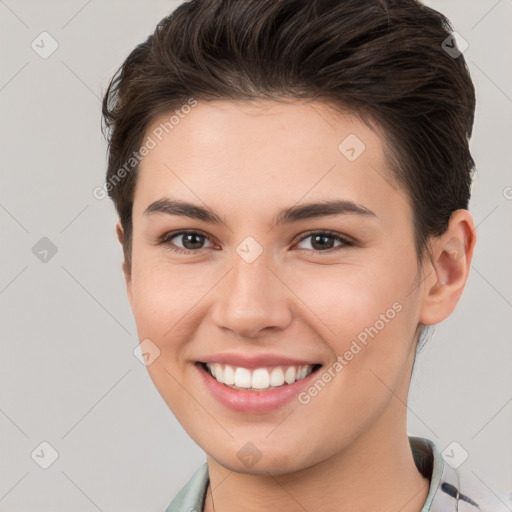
(444, 483)
(443, 495)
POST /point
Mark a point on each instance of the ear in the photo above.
(446, 275)
(124, 265)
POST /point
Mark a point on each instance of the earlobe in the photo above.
(451, 261)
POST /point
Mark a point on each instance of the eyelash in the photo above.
(166, 240)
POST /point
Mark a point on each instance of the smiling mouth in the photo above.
(258, 379)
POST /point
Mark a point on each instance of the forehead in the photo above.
(276, 151)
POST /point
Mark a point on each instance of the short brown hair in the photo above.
(384, 60)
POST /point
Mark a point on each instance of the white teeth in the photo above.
(242, 378)
(218, 373)
(290, 374)
(229, 375)
(258, 379)
(277, 377)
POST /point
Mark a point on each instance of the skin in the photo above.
(347, 449)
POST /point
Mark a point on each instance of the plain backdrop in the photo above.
(68, 373)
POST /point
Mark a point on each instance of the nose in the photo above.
(251, 298)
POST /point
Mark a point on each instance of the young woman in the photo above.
(292, 180)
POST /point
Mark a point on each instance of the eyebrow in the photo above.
(285, 216)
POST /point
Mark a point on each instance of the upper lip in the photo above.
(259, 361)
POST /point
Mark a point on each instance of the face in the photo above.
(333, 289)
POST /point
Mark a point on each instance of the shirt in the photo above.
(451, 490)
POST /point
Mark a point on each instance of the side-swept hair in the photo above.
(383, 60)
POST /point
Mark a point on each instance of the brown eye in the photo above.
(323, 241)
(191, 241)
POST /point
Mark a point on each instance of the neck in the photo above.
(375, 473)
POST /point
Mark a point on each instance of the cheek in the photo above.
(367, 316)
(349, 298)
(165, 297)
(163, 300)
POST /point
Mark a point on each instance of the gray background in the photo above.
(68, 373)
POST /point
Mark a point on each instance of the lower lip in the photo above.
(256, 402)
